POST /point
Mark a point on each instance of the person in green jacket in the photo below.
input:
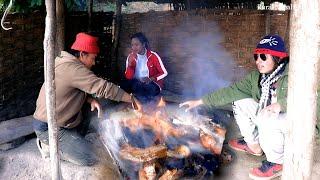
(259, 105)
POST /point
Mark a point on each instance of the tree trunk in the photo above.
(302, 89)
(49, 56)
(60, 34)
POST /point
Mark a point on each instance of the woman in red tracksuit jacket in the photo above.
(144, 70)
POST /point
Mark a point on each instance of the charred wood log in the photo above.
(143, 155)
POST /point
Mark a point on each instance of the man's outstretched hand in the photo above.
(191, 104)
(95, 105)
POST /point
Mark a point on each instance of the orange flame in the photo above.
(161, 103)
(139, 107)
(136, 105)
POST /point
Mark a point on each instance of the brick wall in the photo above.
(233, 33)
(21, 64)
(202, 50)
(21, 57)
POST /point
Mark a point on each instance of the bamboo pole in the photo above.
(60, 34)
(302, 89)
(49, 50)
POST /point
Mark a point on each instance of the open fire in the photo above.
(159, 141)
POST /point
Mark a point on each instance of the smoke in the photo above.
(111, 134)
(205, 64)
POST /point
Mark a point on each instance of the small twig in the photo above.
(5, 15)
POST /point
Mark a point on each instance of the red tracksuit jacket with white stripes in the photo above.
(155, 67)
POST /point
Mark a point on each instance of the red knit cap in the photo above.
(86, 42)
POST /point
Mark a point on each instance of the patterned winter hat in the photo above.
(86, 42)
(273, 45)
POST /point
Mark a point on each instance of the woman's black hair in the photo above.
(279, 61)
(142, 38)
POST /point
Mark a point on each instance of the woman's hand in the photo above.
(273, 108)
(131, 61)
(95, 105)
(191, 104)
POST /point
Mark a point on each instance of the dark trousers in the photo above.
(144, 92)
(72, 145)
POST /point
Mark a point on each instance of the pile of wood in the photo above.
(176, 135)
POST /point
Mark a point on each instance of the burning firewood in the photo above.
(177, 138)
(181, 151)
(219, 130)
(156, 123)
(171, 175)
(143, 155)
(209, 142)
(148, 171)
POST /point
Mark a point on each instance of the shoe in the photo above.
(267, 170)
(241, 145)
(44, 149)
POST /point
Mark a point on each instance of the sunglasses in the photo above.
(263, 57)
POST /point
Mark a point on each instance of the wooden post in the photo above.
(60, 34)
(49, 56)
(187, 5)
(90, 9)
(117, 23)
(115, 32)
(302, 89)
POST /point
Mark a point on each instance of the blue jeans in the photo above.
(144, 92)
(73, 147)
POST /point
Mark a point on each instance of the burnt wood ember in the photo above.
(180, 151)
(209, 142)
(148, 171)
(171, 174)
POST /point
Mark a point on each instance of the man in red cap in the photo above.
(74, 83)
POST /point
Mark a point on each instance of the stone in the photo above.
(12, 144)
(13, 129)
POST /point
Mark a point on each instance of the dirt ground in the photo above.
(25, 162)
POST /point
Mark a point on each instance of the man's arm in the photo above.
(87, 81)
